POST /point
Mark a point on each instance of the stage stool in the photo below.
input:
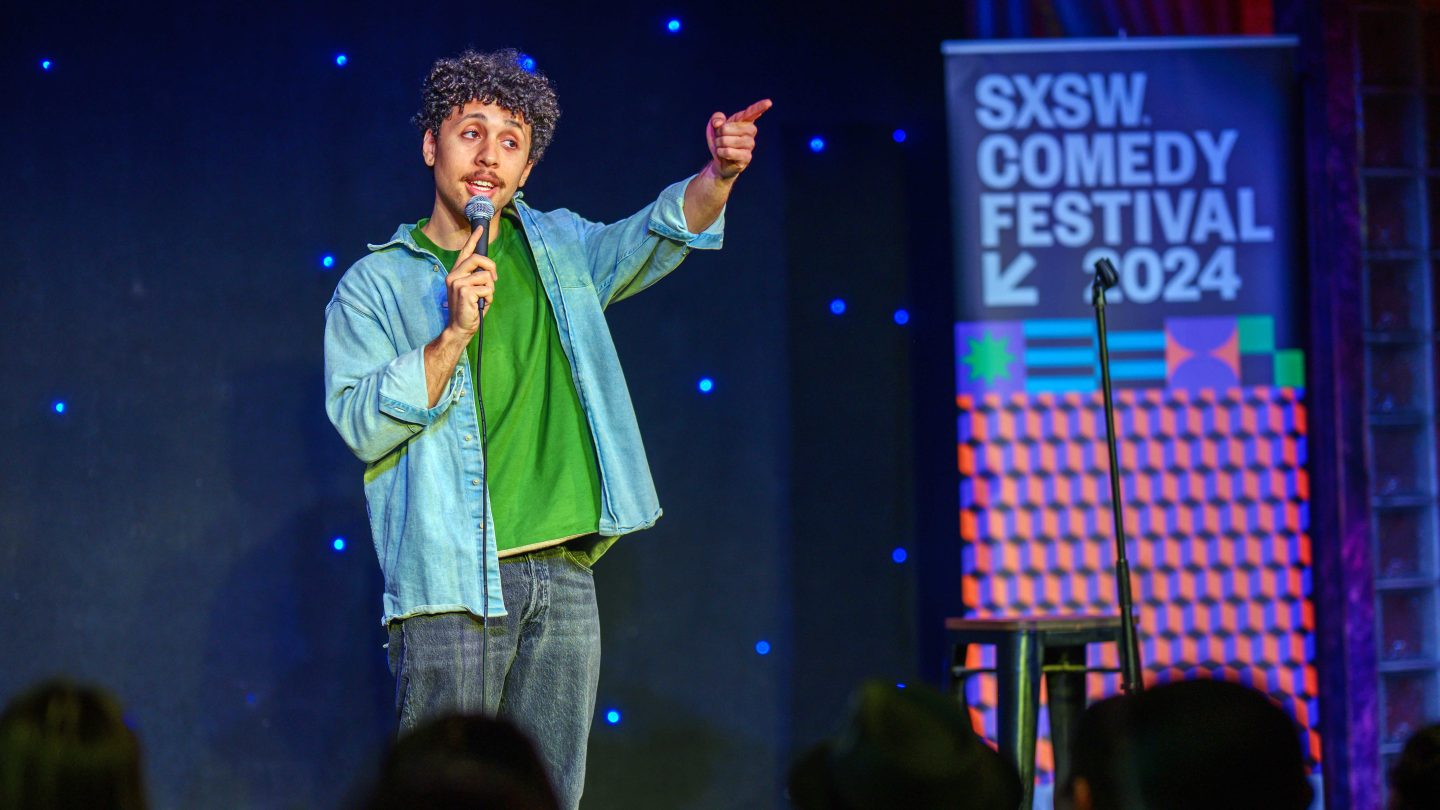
(1027, 647)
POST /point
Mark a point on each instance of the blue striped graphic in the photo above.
(1043, 358)
(1059, 328)
(1137, 341)
(1055, 349)
(1137, 369)
(1042, 385)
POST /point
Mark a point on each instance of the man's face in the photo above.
(481, 149)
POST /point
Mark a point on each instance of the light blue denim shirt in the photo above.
(424, 473)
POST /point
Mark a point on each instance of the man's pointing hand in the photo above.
(732, 140)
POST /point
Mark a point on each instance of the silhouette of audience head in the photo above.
(463, 761)
(1186, 746)
(66, 746)
(1415, 777)
(911, 748)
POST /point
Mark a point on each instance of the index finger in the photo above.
(754, 111)
(470, 244)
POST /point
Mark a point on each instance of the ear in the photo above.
(525, 175)
(427, 148)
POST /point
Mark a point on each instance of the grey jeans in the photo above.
(542, 665)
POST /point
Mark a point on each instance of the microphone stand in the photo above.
(1130, 680)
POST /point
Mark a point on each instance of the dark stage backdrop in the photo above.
(170, 185)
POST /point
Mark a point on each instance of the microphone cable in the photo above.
(484, 513)
(480, 210)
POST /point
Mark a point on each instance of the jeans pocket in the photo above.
(404, 712)
(575, 559)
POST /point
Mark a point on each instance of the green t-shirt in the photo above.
(543, 476)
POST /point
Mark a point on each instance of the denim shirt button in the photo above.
(475, 482)
(468, 437)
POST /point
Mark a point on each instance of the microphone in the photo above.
(1105, 273)
(479, 211)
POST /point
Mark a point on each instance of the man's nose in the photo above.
(487, 154)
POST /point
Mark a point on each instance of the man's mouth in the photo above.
(481, 186)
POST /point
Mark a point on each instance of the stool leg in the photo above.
(1017, 670)
(1066, 700)
(958, 683)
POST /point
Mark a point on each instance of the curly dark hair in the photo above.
(67, 745)
(1415, 778)
(499, 77)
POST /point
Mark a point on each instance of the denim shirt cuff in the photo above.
(403, 392)
(667, 219)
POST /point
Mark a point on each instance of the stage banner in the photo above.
(1176, 159)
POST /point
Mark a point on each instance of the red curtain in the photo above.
(1104, 18)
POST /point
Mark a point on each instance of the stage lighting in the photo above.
(898, 135)
(762, 647)
(673, 26)
(899, 555)
(527, 63)
(341, 59)
(339, 544)
(45, 64)
(612, 717)
(837, 306)
(817, 144)
(327, 261)
(706, 385)
(902, 316)
(59, 407)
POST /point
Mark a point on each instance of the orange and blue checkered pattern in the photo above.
(1216, 500)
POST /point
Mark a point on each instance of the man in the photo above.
(1415, 776)
(491, 494)
(463, 761)
(903, 747)
(1188, 745)
(64, 744)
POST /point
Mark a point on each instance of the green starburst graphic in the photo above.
(989, 359)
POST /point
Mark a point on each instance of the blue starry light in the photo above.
(817, 144)
(899, 555)
(902, 316)
(837, 306)
(673, 26)
(338, 544)
(613, 717)
(762, 647)
(327, 261)
(45, 64)
(527, 63)
(706, 385)
(898, 135)
(341, 60)
(59, 406)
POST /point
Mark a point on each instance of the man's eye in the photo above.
(470, 133)
(512, 143)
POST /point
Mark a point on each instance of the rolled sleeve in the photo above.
(404, 393)
(667, 219)
(375, 399)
